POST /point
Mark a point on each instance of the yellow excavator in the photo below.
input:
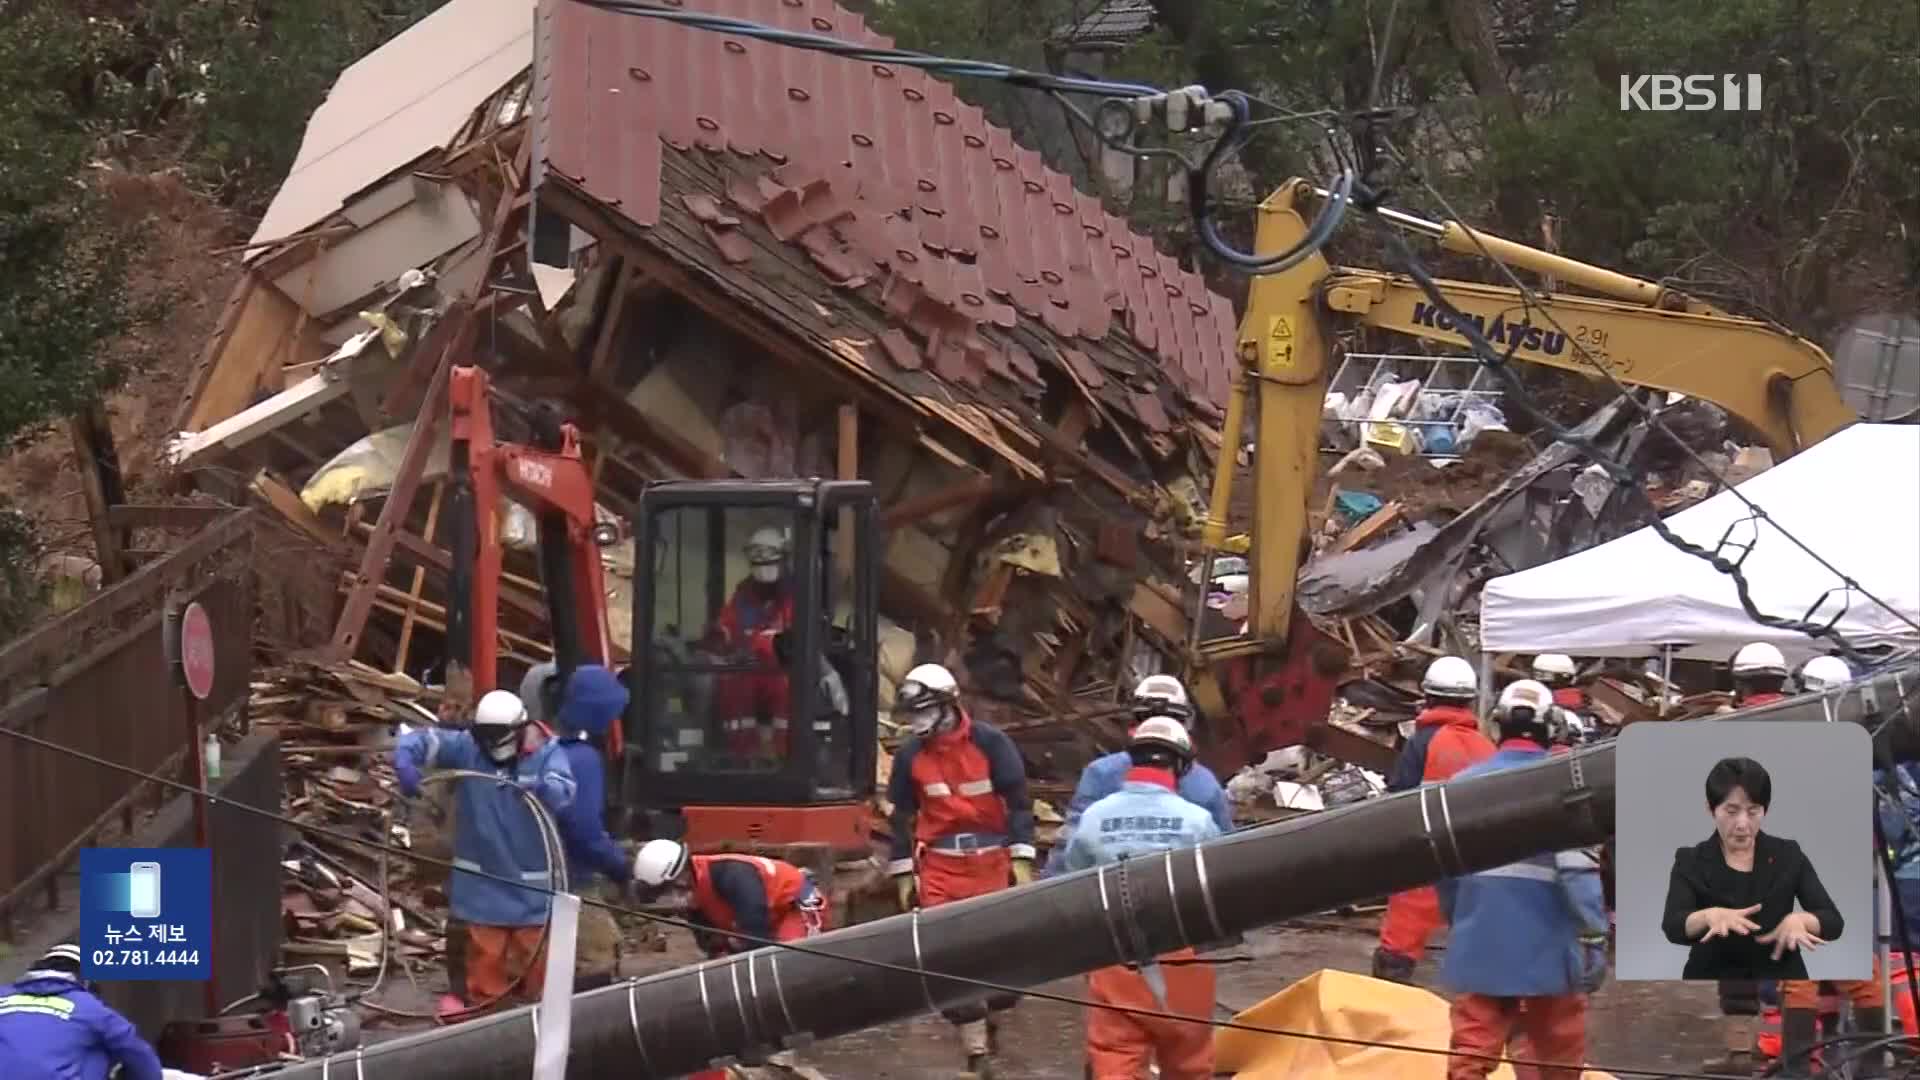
(1273, 686)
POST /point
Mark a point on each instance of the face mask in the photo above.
(924, 721)
(505, 748)
(767, 574)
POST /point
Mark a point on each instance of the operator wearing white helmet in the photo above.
(753, 705)
(1156, 695)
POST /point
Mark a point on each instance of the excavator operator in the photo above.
(752, 706)
(1446, 740)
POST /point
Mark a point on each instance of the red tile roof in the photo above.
(885, 176)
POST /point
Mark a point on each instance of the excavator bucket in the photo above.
(1255, 701)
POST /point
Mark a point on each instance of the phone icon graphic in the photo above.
(143, 893)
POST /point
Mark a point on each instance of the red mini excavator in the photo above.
(755, 639)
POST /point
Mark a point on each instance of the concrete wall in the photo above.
(246, 893)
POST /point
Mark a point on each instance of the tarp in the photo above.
(1854, 499)
(1344, 1005)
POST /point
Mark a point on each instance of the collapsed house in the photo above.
(725, 259)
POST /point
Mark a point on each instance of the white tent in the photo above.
(1854, 499)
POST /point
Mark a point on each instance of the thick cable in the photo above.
(1616, 471)
(881, 965)
(939, 65)
(1619, 473)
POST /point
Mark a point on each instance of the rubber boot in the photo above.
(1393, 967)
(1870, 1066)
(1739, 1058)
(1799, 1030)
(974, 1040)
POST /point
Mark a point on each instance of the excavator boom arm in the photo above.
(1781, 385)
(1272, 687)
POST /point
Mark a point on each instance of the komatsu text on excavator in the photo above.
(1272, 687)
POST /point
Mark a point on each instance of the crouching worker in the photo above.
(1145, 816)
(594, 698)
(1528, 939)
(52, 1025)
(496, 840)
(761, 898)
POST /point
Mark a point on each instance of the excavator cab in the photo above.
(754, 678)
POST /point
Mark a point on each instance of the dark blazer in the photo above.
(1782, 874)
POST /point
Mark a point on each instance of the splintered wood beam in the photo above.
(101, 485)
(849, 469)
(965, 493)
(419, 581)
(626, 280)
(413, 462)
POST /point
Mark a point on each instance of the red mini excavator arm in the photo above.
(555, 485)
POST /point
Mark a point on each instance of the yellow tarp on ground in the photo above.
(1348, 1006)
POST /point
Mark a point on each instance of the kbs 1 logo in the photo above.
(1689, 93)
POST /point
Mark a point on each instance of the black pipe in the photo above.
(693, 1018)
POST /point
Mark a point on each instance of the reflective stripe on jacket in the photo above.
(967, 780)
(1516, 928)
(51, 1026)
(495, 831)
(746, 892)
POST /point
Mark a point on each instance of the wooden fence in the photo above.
(97, 681)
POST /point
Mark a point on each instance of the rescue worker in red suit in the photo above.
(1529, 939)
(1759, 678)
(1446, 739)
(753, 706)
(761, 898)
(962, 821)
(1145, 816)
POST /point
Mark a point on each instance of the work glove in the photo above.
(1593, 962)
(1023, 871)
(903, 888)
(408, 776)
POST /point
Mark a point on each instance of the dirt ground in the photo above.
(1653, 1026)
(175, 278)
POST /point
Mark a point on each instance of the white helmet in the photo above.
(766, 550)
(1759, 658)
(1164, 733)
(1825, 673)
(1553, 665)
(1450, 677)
(1525, 705)
(659, 862)
(497, 723)
(926, 698)
(1162, 695)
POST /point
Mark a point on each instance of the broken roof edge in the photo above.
(707, 288)
(455, 18)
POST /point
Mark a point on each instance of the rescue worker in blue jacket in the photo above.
(593, 699)
(496, 835)
(1528, 939)
(1144, 816)
(1157, 695)
(52, 1025)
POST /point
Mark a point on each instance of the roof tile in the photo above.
(908, 177)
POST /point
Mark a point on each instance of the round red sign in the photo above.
(196, 651)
